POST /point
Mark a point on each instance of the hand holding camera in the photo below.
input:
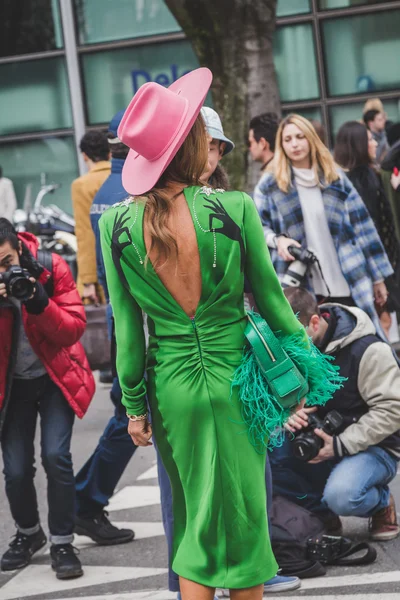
(282, 245)
(313, 441)
(17, 283)
(299, 419)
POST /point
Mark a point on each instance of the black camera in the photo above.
(306, 444)
(327, 549)
(297, 270)
(18, 284)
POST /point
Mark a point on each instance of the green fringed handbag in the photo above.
(286, 383)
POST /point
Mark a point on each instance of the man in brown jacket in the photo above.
(96, 153)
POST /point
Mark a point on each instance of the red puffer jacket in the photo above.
(54, 335)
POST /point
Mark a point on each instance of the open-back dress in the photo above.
(219, 500)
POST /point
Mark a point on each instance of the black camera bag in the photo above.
(298, 539)
(291, 528)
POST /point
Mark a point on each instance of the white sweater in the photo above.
(318, 237)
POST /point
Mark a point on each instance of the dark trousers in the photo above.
(97, 479)
(30, 398)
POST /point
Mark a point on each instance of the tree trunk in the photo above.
(233, 38)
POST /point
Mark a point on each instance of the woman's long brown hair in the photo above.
(186, 168)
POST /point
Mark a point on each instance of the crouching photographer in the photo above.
(338, 460)
(43, 372)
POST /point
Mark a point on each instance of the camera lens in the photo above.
(21, 288)
(306, 447)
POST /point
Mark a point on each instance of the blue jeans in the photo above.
(97, 479)
(352, 486)
(168, 517)
(30, 398)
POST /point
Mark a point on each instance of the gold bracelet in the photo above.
(137, 417)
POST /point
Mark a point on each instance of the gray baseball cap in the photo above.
(214, 127)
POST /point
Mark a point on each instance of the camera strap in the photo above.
(45, 259)
(344, 559)
(322, 276)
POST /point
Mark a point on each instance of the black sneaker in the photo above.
(21, 550)
(65, 562)
(101, 531)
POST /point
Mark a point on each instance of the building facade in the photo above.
(69, 65)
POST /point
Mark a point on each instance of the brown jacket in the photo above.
(83, 191)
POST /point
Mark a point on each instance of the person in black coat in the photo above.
(355, 152)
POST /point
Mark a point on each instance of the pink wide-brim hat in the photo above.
(155, 125)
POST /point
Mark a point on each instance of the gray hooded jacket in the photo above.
(370, 398)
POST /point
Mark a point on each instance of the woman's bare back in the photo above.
(181, 276)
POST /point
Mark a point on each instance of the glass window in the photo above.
(332, 4)
(366, 45)
(27, 27)
(353, 112)
(38, 93)
(113, 77)
(312, 114)
(292, 7)
(295, 63)
(23, 163)
(106, 20)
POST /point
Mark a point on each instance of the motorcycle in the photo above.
(54, 228)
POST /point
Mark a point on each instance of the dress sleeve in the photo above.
(131, 348)
(265, 285)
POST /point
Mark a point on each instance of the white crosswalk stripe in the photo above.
(135, 496)
(36, 579)
(151, 473)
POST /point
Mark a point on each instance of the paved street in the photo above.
(137, 570)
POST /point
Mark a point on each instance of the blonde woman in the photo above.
(308, 201)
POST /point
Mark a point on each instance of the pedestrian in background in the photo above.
(43, 373)
(8, 201)
(375, 121)
(390, 171)
(261, 144)
(96, 153)
(351, 473)
(219, 146)
(307, 201)
(377, 104)
(97, 479)
(355, 151)
(320, 129)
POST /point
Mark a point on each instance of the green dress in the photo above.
(219, 499)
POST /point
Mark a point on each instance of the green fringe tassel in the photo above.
(262, 414)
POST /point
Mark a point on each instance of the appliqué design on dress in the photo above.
(207, 190)
(229, 228)
(125, 202)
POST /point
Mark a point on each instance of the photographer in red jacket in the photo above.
(43, 371)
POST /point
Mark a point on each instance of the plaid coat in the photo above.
(360, 251)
